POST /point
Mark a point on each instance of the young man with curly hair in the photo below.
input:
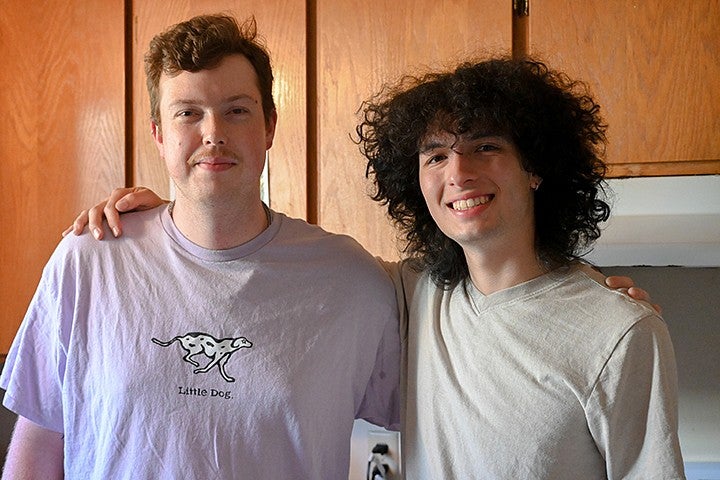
(517, 363)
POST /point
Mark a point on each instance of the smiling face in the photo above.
(477, 191)
(213, 134)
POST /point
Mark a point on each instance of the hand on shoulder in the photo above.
(121, 200)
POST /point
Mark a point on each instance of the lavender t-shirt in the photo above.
(157, 358)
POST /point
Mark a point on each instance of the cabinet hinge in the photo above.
(521, 8)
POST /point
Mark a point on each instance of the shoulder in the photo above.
(134, 224)
(301, 232)
(84, 248)
(330, 254)
(413, 288)
(313, 240)
(408, 277)
(590, 294)
(648, 335)
(583, 305)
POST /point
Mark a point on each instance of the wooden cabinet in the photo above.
(62, 135)
(653, 65)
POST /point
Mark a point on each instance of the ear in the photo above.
(156, 132)
(535, 181)
(270, 125)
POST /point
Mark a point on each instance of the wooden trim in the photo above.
(520, 28)
(657, 169)
(129, 97)
(311, 65)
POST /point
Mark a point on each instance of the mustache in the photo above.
(212, 152)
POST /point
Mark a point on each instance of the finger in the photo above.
(128, 202)
(113, 218)
(617, 281)
(114, 206)
(95, 220)
(640, 294)
(138, 198)
(80, 221)
(121, 199)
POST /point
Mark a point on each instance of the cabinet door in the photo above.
(62, 135)
(282, 24)
(361, 46)
(654, 67)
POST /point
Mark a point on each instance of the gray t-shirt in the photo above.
(160, 359)
(556, 378)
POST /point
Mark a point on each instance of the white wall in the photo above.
(661, 221)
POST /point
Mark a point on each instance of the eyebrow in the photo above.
(434, 142)
(243, 96)
(231, 99)
(432, 145)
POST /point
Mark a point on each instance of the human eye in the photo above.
(486, 147)
(238, 110)
(433, 158)
(185, 115)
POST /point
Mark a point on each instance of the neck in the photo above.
(492, 272)
(219, 226)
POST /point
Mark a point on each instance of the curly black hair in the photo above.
(553, 122)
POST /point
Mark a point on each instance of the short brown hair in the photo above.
(201, 43)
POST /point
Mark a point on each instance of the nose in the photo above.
(214, 131)
(460, 171)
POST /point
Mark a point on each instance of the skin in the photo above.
(213, 137)
(496, 228)
(34, 452)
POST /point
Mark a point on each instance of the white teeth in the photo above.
(470, 202)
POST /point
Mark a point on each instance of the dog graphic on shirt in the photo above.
(218, 351)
